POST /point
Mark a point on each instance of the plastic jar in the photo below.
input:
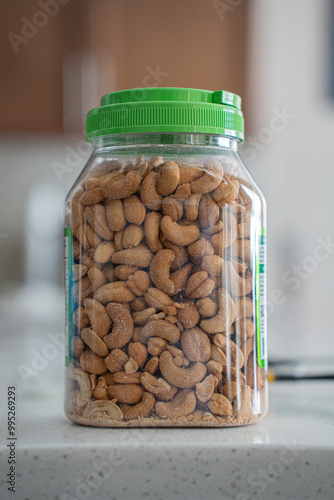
(165, 258)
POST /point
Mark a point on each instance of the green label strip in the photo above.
(260, 284)
(68, 281)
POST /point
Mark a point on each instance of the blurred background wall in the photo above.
(58, 57)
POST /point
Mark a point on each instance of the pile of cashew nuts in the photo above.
(163, 303)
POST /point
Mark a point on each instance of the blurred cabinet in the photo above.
(60, 56)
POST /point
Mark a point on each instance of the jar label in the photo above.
(68, 280)
(261, 299)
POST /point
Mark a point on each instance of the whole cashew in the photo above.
(211, 178)
(125, 378)
(138, 352)
(134, 210)
(169, 177)
(115, 214)
(230, 349)
(151, 228)
(77, 347)
(198, 250)
(213, 265)
(172, 207)
(160, 269)
(123, 326)
(143, 409)
(139, 282)
(220, 405)
(139, 256)
(224, 318)
(181, 255)
(92, 196)
(191, 206)
(92, 363)
(92, 340)
(132, 236)
(180, 278)
(148, 192)
(189, 173)
(97, 278)
(199, 285)
(226, 192)
(206, 307)
(96, 217)
(163, 329)
(114, 292)
(204, 389)
(141, 317)
(179, 235)
(185, 378)
(104, 252)
(196, 345)
(208, 211)
(182, 405)
(119, 185)
(126, 393)
(85, 388)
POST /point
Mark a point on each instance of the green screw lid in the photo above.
(167, 109)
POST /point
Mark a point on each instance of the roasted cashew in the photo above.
(208, 211)
(180, 278)
(231, 350)
(92, 196)
(199, 285)
(132, 236)
(191, 206)
(172, 207)
(196, 345)
(126, 393)
(151, 228)
(228, 235)
(220, 405)
(126, 378)
(183, 404)
(168, 179)
(189, 173)
(116, 360)
(163, 329)
(100, 390)
(189, 315)
(224, 318)
(185, 378)
(119, 185)
(141, 317)
(104, 252)
(114, 292)
(92, 363)
(244, 307)
(198, 250)
(96, 217)
(123, 326)
(213, 265)
(153, 384)
(85, 388)
(206, 307)
(134, 210)
(148, 192)
(143, 409)
(226, 192)
(139, 282)
(97, 409)
(160, 270)
(138, 352)
(139, 256)
(211, 178)
(181, 255)
(115, 214)
(179, 235)
(235, 283)
(204, 389)
(97, 278)
(92, 340)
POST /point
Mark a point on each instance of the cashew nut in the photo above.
(115, 214)
(179, 235)
(151, 227)
(183, 404)
(224, 318)
(139, 256)
(196, 345)
(211, 178)
(168, 179)
(143, 409)
(126, 393)
(148, 192)
(85, 388)
(114, 292)
(220, 405)
(123, 326)
(97, 409)
(92, 340)
(185, 378)
(160, 269)
(92, 363)
(153, 384)
(119, 185)
(134, 210)
(163, 329)
(199, 285)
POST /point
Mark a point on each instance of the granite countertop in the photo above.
(288, 455)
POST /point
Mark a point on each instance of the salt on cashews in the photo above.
(224, 318)
(122, 330)
(184, 378)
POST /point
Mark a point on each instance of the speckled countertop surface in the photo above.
(288, 455)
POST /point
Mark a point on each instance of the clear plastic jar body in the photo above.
(165, 285)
